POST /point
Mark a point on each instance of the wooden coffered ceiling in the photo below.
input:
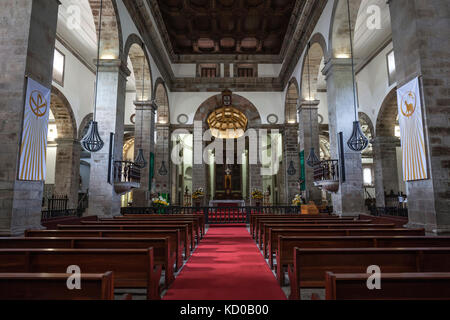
(221, 31)
(226, 26)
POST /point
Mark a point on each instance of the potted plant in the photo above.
(160, 203)
(197, 196)
(257, 195)
(297, 200)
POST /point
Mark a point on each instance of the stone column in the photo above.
(162, 153)
(420, 33)
(199, 167)
(28, 31)
(309, 110)
(145, 114)
(386, 169)
(291, 162)
(349, 200)
(254, 168)
(67, 171)
(113, 74)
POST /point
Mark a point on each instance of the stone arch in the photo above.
(68, 149)
(64, 116)
(315, 56)
(385, 150)
(339, 43)
(140, 63)
(292, 96)
(242, 104)
(387, 116)
(364, 118)
(369, 132)
(162, 100)
(111, 42)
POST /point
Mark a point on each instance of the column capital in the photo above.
(146, 105)
(113, 65)
(308, 104)
(336, 63)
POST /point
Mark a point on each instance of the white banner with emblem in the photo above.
(412, 135)
(33, 149)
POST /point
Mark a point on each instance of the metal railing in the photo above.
(326, 170)
(126, 171)
(217, 215)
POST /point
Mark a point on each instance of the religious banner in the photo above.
(411, 129)
(33, 150)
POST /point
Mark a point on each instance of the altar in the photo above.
(227, 203)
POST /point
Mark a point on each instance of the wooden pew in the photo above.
(132, 268)
(254, 220)
(394, 286)
(199, 217)
(52, 286)
(185, 231)
(265, 232)
(173, 235)
(259, 226)
(196, 233)
(162, 253)
(285, 245)
(310, 265)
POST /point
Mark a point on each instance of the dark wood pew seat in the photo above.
(311, 265)
(53, 286)
(394, 286)
(132, 268)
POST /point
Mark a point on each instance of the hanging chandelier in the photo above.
(163, 170)
(92, 142)
(140, 161)
(312, 159)
(358, 141)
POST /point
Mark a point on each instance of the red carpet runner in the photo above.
(227, 265)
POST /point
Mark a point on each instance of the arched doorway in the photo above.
(387, 154)
(244, 168)
(63, 151)
(162, 141)
(137, 136)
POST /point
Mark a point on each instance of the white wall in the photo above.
(79, 84)
(269, 70)
(130, 108)
(373, 85)
(51, 165)
(188, 103)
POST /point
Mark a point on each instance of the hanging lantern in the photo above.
(313, 160)
(163, 170)
(92, 142)
(140, 161)
(291, 171)
(358, 141)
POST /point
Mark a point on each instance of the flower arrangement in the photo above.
(297, 200)
(160, 202)
(198, 194)
(257, 195)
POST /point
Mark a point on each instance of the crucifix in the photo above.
(228, 183)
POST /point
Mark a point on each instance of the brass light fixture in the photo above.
(92, 142)
(227, 123)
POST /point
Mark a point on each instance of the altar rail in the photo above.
(217, 215)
